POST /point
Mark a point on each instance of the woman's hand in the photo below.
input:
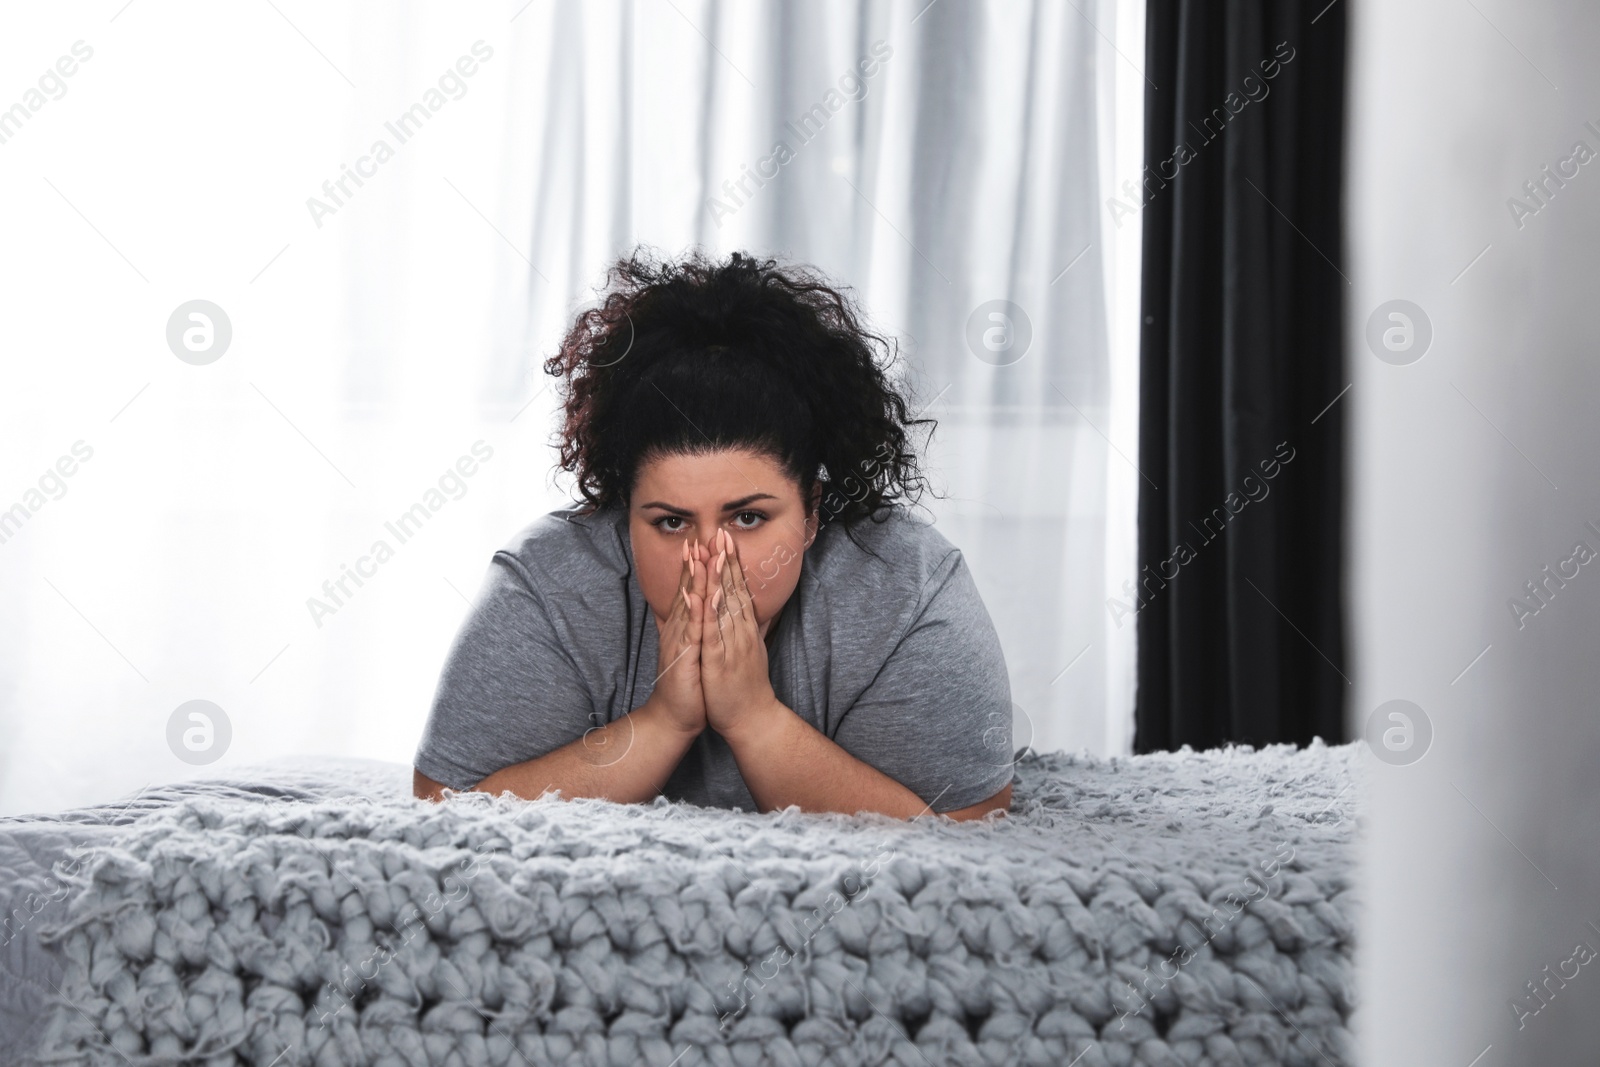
(733, 653)
(678, 686)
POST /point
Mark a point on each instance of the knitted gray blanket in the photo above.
(1181, 908)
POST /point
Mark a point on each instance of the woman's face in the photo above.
(747, 493)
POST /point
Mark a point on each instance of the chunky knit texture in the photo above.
(1179, 908)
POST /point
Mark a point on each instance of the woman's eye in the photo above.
(660, 523)
(756, 515)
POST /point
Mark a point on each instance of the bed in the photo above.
(1175, 908)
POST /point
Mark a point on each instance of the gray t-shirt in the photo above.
(894, 658)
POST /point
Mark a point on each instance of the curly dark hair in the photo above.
(692, 356)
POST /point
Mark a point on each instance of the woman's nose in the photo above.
(709, 543)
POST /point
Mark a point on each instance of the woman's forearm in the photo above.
(785, 760)
(627, 761)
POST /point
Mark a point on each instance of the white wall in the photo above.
(1474, 468)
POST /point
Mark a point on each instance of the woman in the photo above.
(742, 458)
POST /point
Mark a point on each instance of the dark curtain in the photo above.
(1239, 603)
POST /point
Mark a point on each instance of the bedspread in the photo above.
(1175, 908)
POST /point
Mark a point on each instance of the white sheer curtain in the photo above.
(387, 331)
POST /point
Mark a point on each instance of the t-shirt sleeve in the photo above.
(509, 691)
(937, 717)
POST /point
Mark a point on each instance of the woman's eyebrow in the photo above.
(732, 505)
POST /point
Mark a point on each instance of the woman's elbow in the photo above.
(425, 788)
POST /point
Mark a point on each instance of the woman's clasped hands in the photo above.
(712, 664)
